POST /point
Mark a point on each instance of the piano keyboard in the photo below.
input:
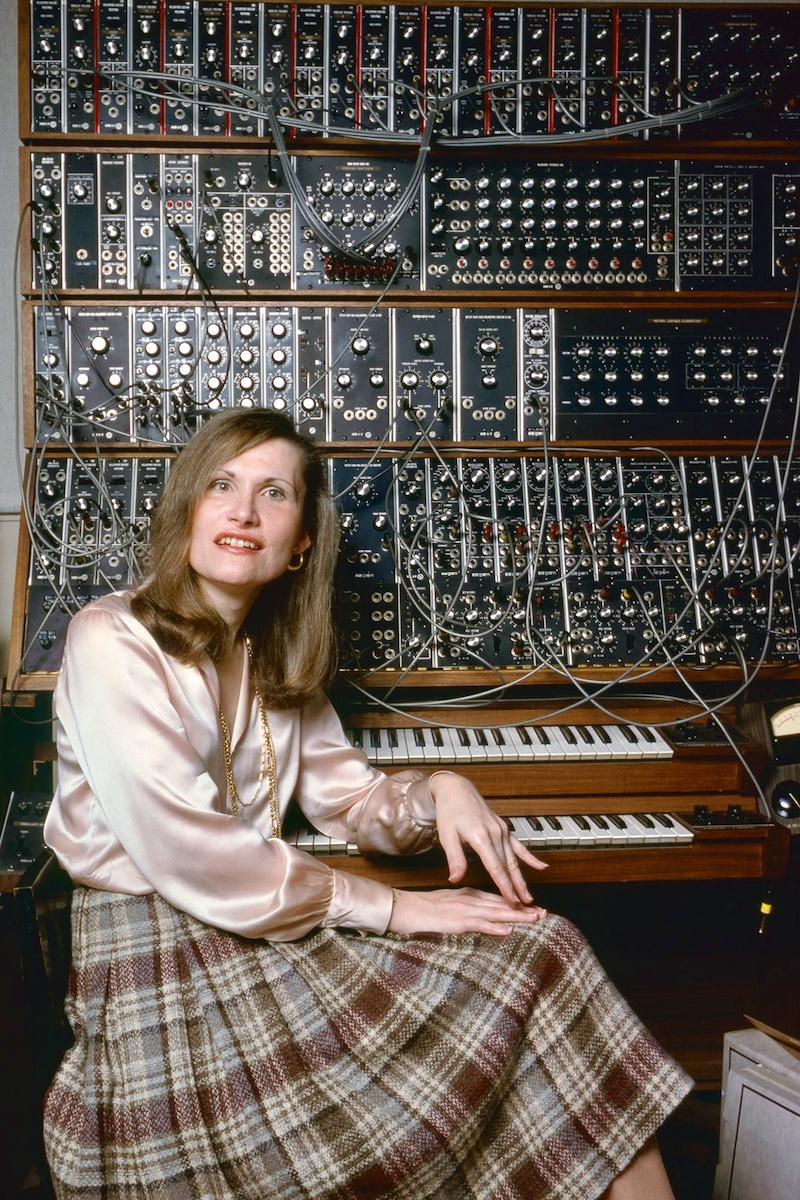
(428, 745)
(552, 833)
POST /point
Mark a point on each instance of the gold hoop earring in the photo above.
(298, 565)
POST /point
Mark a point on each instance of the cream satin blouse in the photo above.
(141, 804)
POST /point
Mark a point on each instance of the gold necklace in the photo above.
(267, 759)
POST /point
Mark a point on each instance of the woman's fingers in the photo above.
(523, 853)
(464, 910)
(500, 854)
(463, 818)
(450, 841)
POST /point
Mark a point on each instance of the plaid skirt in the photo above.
(341, 1067)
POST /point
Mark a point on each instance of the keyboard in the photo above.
(429, 745)
(577, 831)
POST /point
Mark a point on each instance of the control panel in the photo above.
(527, 272)
(135, 222)
(216, 69)
(488, 561)
(150, 374)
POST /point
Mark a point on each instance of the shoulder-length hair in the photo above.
(290, 624)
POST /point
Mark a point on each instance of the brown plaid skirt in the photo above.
(340, 1067)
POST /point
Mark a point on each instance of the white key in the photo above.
(447, 751)
(304, 840)
(605, 748)
(509, 747)
(515, 749)
(411, 750)
(545, 745)
(522, 829)
(619, 830)
(683, 834)
(601, 829)
(430, 739)
(384, 751)
(587, 745)
(652, 743)
(669, 831)
(586, 836)
(559, 831)
(571, 752)
(623, 749)
(494, 751)
(474, 750)
(636, 831)
(652, 832)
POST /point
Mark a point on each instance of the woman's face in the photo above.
(248, 525)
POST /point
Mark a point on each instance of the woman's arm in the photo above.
(399, 814)
(138, 809)
(463, 818)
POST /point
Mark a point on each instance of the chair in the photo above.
(42, 901)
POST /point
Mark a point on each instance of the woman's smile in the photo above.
(248, 526)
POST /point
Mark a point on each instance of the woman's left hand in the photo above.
(463, 818)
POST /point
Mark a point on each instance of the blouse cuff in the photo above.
(359, 903)
(421, 805)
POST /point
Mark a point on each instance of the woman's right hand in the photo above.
(459, 910)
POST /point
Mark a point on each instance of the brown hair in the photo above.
(290, 625)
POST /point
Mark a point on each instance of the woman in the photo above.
(233, 1038)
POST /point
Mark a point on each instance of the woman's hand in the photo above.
(459, 910)
(463, 818)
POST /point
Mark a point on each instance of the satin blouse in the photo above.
(141, 804)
